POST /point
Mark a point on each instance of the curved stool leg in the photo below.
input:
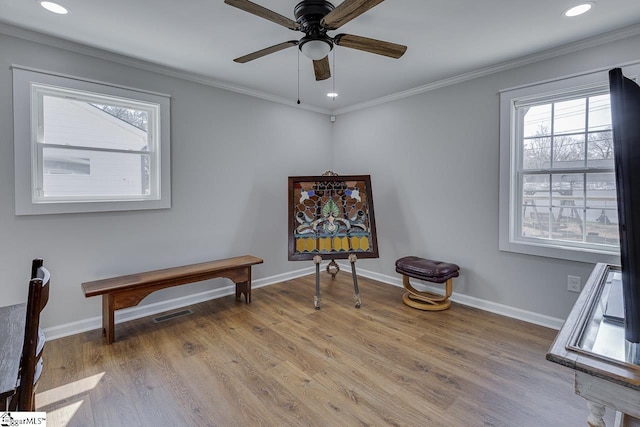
(426, 300)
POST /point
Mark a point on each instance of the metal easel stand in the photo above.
(333, 268)
(316, 299)
(356, 292)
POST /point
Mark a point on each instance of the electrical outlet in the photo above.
(574, 283)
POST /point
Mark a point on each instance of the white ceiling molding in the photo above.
(47, 40)
(623, 33)
(33, 36)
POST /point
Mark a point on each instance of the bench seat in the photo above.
(127, 291)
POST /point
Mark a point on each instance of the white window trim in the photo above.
(25, 134)
(508, 167)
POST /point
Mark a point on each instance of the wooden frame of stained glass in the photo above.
(331, 216)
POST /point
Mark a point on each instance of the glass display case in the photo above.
(592, 343)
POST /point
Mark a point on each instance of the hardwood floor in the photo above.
(279, 362)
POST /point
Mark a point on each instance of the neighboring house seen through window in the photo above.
(88, 146)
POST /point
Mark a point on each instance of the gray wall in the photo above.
(231, 156)
(434, 162)
(433, 159)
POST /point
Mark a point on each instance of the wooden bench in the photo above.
(127, 291)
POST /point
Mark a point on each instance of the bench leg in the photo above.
(244, 288)
(108, 318)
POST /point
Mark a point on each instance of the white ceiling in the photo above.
(445, 38)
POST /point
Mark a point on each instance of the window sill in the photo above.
(79, 207)
(559, 252)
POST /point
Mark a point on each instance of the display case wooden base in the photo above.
(592, 344)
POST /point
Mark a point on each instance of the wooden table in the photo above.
(12, 319)
(602, 376)
(128, 291)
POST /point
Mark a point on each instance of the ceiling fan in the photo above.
(314, 18)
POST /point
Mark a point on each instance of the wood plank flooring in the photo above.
(279, 362)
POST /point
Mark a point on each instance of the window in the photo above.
(85, 146)
(557, 184)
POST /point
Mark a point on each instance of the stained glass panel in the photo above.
(331, 216)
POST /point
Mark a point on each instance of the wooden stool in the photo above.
(429, 270)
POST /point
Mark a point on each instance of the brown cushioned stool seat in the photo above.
(429, 270)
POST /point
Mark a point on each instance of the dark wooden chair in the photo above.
(31, 362)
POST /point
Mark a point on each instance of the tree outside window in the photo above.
(567, 173)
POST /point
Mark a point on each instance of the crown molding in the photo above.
(95, 52)
(594, 41)
(52, 41)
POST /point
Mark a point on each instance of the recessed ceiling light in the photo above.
(332, 95)
(54, 7)
(579, 9)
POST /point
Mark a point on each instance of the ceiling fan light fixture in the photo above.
(578, 10)
(315, 49)
(54, 7)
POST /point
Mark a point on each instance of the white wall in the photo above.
(434, 162)
(231, 156)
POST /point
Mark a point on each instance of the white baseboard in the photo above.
(493, 307)
(137, 312)
(175, 303)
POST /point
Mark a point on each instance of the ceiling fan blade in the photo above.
(346, 11)
(322, 69)
(266, 51)
(263, 12)
(366, 44)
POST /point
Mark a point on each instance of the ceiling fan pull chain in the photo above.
(298, 76)
(333, 80)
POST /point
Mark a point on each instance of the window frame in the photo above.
(29, 87)
(511, 168)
